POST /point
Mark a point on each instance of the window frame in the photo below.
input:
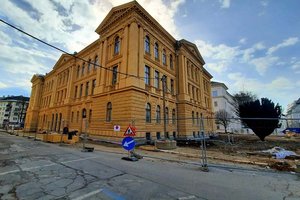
(147, 44)
(158, 114)
(147, 75)
(156, 79)
(109, 112)
(156, 51)
(148, 113)
(114, 79)
(117, 45)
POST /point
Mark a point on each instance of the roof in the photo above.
(17, 98)
(193, 48)
(215, 83)
(118, 12)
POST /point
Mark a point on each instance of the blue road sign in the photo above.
(128, 143)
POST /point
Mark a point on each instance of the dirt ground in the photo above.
(246, 149)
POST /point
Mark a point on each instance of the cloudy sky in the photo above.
(250, 45)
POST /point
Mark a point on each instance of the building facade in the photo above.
(13, 110)
(223, 100)
(293, 113)
(116, 80)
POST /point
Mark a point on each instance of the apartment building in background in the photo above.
(293, 113)
(223, 100)
(13, 110)
(117, 80)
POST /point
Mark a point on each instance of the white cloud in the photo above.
(224, 3)
(221, 55)
(277, 90)
(263, 63)
(288, 42)
(296, 66)
(53, 27)
(2, 85)
(56, 25)
(5, 39)
(281, 83)
(264, 3)
(165, 14)
(243, 41)
(248, 54)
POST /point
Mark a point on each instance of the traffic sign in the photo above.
(128, 143)
(117, 128)
(130, 131)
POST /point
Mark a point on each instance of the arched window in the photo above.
(148, 113)
(171, 62)
(147, 44)
(164, 57)
(96, 62)
(173, 117)
(108, 111)
(156, 53)
(158, 114)
(167, 115)
(117, 45)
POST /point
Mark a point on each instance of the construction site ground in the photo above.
(245, 150)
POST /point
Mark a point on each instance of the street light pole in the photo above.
(163, 79)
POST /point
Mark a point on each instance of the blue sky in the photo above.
(250, 45)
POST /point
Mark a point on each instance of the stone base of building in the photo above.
(165, 144)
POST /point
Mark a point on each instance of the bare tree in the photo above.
(223, 118)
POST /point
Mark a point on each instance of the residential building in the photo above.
(293, 114)
(116, 80)
(13, 110)
(223, 100)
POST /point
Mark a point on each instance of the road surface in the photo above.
(36, 170)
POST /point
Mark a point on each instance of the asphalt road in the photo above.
(36, 170)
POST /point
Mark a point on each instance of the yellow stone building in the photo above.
(116, 80)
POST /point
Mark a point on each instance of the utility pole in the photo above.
(163, 79)
(204, 166)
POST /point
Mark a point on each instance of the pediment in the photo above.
(193, 49)
(115, 14)
(61, 60)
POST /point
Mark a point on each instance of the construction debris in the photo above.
(279, 153)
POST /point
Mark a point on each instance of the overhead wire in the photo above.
(70, 54)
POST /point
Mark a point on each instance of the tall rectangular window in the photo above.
(147, 44)
(89, 66)
(93, 86)
(156, 79)
(78, 72)
(72, 116)
(172, 86)
(114, 75)
(87, 89)
(164, 57)
(80, 90)
(171, 62)
(147, 75)
(82, 69)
